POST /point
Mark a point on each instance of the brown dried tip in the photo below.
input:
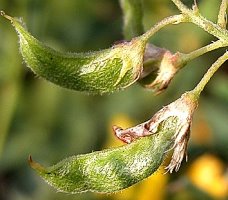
(182, 109)
(35, 165)
(131, 134)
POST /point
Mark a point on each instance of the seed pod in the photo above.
(102, 71)
(113, 169)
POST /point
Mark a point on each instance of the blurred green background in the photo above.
(51, 123)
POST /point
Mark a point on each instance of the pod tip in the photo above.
(35, 165)
(2, 12)
(6, 16)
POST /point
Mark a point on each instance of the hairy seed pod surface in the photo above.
(97, 72)
(113, 169)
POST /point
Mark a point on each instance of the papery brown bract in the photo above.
(182, 109)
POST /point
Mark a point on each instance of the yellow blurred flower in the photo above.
(154, 187)
(206, 173)
(200, 125)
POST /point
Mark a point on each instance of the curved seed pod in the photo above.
(113, 169)
(96, 72)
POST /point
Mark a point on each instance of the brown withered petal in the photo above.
(182, 109)
(160, 66)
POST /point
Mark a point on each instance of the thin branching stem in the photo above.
(194, 54)
(195, 17)
(222, 14)
(184, 9)
(206, 78)
(175, 19)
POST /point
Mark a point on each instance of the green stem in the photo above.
(194, 54)
(195, 17)
(181, 6)
(215, 66)
(133, 18)
(175, 19)
(222, 14)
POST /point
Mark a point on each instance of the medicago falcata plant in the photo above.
(116, 68)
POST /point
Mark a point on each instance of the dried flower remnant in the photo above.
(160, 66)
(182, 109)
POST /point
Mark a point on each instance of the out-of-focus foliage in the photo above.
(51, 123)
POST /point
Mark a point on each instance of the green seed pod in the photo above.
(113, 169)
(97, 72)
